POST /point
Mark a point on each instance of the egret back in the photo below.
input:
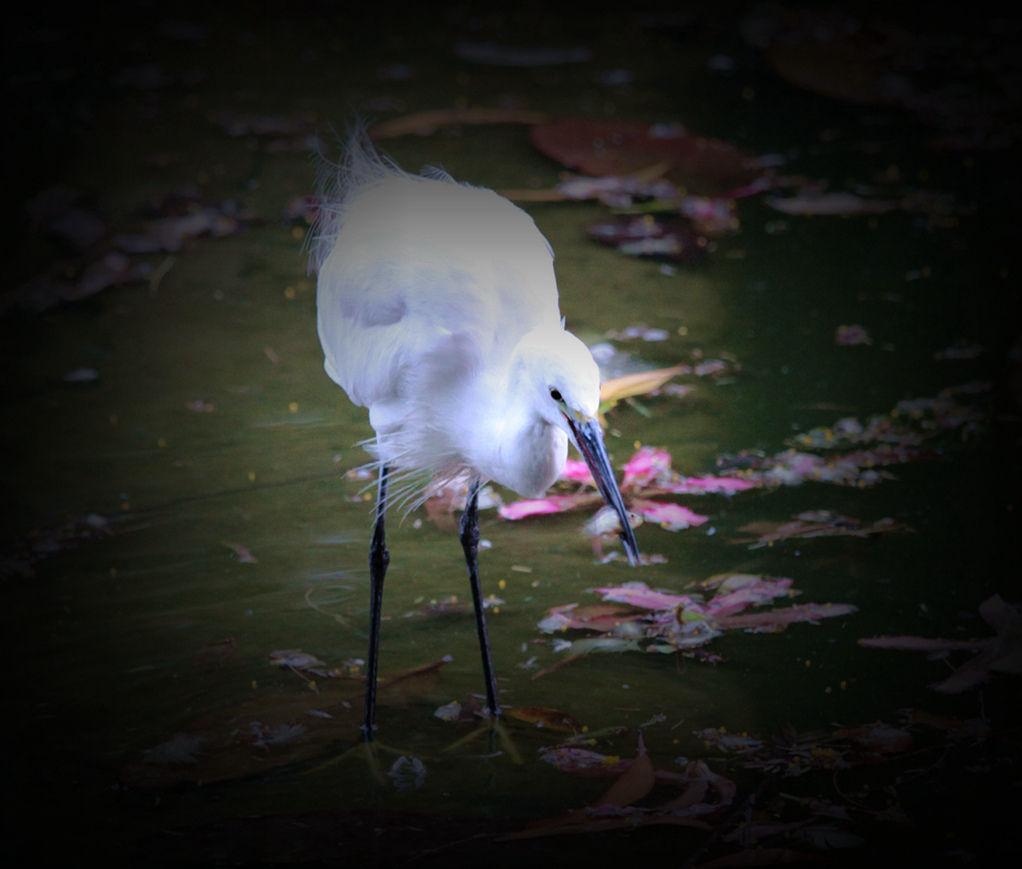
(425, 288)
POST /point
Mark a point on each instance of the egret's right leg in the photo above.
(470, 544)
(379, 558)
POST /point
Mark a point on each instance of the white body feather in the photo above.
(438, 310)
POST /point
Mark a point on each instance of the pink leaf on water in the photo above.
(779, 618)
(539, 506)
(707, 484)
(648, 464)
(641, 595)
(578, 471)
(853, 334)
(673, 517)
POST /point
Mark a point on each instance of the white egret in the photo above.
(438, 310)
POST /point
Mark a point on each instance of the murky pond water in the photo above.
(215, 444)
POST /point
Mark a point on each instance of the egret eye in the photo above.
(555, 394)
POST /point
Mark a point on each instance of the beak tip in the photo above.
(631, 549)
(589, 440)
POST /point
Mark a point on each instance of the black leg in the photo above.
(379, 558)
(470, 543)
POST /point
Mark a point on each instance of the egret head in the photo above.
(560, 376)
(562, 381)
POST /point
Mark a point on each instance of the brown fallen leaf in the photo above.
(700, 165)
(635, 783)
(542, 716)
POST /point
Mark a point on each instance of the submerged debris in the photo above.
(815, 523)
(1001, 652)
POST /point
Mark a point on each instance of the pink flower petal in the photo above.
(647, 465)
(535, 507)
(709, 483)
(755, 593)
(641, 595)
(673, 517)
(805, 612)
(578, 471)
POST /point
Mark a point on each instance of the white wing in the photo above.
(431, 279)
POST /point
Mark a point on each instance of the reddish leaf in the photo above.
(695, 164)
(778, 618)
(634, 784)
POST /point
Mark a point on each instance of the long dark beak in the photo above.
(589, 440)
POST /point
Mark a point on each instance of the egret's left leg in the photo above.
(470, 543)
(379, 558)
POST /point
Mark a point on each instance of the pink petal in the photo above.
(578, 471)
(673, 517)
(755, 593)
(585, 762)
(535, 507)
(641, 595)
(645, 466)
(806, 612)
(709, 483)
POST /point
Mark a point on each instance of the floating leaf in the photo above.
(549, 504)
(694, 164)
(811, 524)
(598, 617)
(641, 383)
(672, 517)
(585, 762)
(781, 618)
(542, 716)
(639, 594)
(1002, 652)
(635, 783)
